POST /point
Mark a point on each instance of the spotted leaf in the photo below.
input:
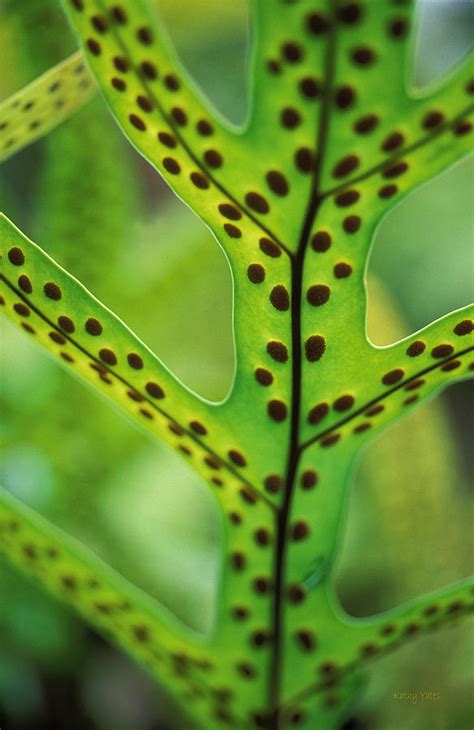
(48, 101)
(334, 139)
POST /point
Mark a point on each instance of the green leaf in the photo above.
(333, 141)
(111, 604)
(48, 101)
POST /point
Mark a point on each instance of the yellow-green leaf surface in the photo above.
(334, 139)
(48, 101)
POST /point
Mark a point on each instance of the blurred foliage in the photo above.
(68, 454)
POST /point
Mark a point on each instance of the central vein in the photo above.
(294, 450)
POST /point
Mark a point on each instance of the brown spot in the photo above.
(94, 46)
(342, 270)
(257, 202)
(347, 198)
(315, 347)
(317, 24)
(263, 376)
(395, 170)
(25, 284)
(269, 248)
(277, 183)
(56, 337)
(277, 410)
(108, 356)
(171, 82)
(388, 191)
(137, 122)
(305, 160)
(237, 458)
(230, 212)
(232, 231)
(290, 118)
(349, 13)
(204, 128)
(441, 351)
(345, 166)
(416, 348)
(198, 428)
(99, 23)
(393, 142)
(145, 35)
(274, 67)
(292, 52)
(262, 585)
(149, 70)
(141, 633)
(375, 410)
(16, 256)
(309, 479)
(240, 613)
(248, 496)
(167, 140)
(318, 294)
(171, 165)
(464, 328)
(278, 351)
(213, 158)
(119, 14)
(343, 403)
(118, 84)
(273, 483)
(318, 412)
(154, 390)
(135, 361)
(260, 638)
(262, 537)
(321, 241)
(256, 273)
(299, 531)
(432, 120)
(363, 56)
(246, 670)
(121, 63)
(345, 97)
(200, 181)
(212, 462)
(21, 309)
(238, 561)
(393, 376)
(462, 127)
(330, 440)
(52, 291)
(366, 124)
(296, 594)
(179, 116)
(145, 103)
(280, 298)
(362, 427)
(310, 87)
(398, 28)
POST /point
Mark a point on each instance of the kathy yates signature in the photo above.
(415, 697)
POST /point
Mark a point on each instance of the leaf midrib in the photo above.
(294, 451)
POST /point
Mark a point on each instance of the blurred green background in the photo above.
(69, 455)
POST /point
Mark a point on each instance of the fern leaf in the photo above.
(334, 140)
(49, 100)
